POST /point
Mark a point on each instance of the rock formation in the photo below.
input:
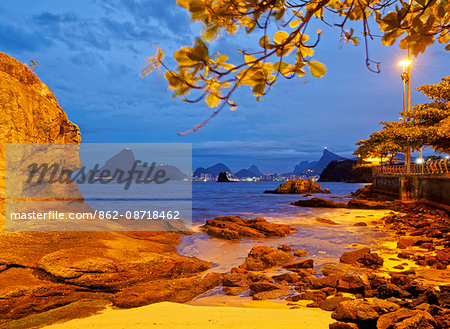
(41, 271)
(222, 178)
(235, 227)
(30, 113)
(297, 187)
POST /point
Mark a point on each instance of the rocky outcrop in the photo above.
(362, 257)
(363, 310)
(346, 171)
(319, 203)
(42, 271)
(263, 257)
(297, 187)
(222, 178)
(172, 290)
(337, 171)
(30, 114)
(234, 228)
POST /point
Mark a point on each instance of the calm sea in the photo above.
(247, 199)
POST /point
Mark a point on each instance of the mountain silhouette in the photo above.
(125, 159)
(213, 171)
(253, 171)
(313, 168)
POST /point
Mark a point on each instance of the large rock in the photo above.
(40, 271)
(366, 204)
(352, 257)
(360, 310)
(297, 187)
(44, 270)
(88, 267)
(330, 304)
(362, 257)
(319, 203)
(178, 290)
(351, 283)
(234, 227)
(300, 264)
(263, 257)
(30, 114)
(406, 319)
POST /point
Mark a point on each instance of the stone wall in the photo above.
(434, 189)
(387, 184)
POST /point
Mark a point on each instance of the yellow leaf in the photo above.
(294, 24)
(306, 51)
(212, 100)
(317, 69)
(444, 37)
(280, 36)
(222, 58)
(183, 3)
(249, 58)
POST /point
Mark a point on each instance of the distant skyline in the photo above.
(90, 55)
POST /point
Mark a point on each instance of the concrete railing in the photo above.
(436, 167)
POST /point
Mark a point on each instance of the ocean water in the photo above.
(325, 243)
(247, 199)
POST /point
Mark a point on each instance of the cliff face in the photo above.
(30, 113)
(97, 266)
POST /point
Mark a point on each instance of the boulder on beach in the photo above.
(361, 310)
(362, 257)
(319, 203)
(366, 204)
(300, 264)
(297, 187)
(263, 257)
(235, 227)
(44, 270)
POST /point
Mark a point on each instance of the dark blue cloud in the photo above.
(48, 18)
(15, 39)
(171, 17)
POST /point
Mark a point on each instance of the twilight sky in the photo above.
(90, 54)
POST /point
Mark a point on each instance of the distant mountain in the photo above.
(325, 159)
(125, 159)
(302, 166)
(313, 168)
(253, 171)
(214, 170)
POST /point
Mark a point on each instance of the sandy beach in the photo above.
(180, 316)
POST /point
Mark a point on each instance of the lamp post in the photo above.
(406, 78)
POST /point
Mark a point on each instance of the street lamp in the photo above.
(406, 78)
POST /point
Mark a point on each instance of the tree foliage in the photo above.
(425, 125)
(287, 35)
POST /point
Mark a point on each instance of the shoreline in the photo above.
(306, 301)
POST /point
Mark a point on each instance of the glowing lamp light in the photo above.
(419, 160)
(405, 63)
